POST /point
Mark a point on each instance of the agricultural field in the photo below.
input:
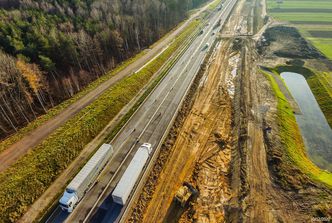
(312, 18)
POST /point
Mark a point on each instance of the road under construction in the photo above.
(150, 123)
(206, 122)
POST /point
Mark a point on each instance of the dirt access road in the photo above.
(204, 138)
(17, 150)
(255, 197)
(201, 147)
(220, 147)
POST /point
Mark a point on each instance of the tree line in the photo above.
(50, 49)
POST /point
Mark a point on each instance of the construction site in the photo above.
(217, 163)
(209, 125)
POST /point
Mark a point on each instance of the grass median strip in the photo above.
(28, 178)
(214, 4)
(291, 138)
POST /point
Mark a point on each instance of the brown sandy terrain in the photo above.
(221, 146)
(201, 145)
(255, 194)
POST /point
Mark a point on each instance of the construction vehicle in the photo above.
(185, 193)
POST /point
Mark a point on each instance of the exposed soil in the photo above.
(255, 197)
(210, 129)
(220, 144)
(306, 199)
(284, 41)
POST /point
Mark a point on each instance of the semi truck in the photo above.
(128, 180)
(82, 182)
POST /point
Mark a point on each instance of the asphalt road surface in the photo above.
(33, 138)
(148, 124)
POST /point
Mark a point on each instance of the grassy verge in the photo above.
(27, 179)
(321, 87)
(291, 138)
(214, 4)
(59, 108)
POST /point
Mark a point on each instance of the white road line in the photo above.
(150, 120)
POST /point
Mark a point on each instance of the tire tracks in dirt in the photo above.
(255, 199)
(201, 142)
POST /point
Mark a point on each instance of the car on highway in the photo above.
(206, 46)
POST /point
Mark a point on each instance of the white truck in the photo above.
(85, 178)
(127, 182)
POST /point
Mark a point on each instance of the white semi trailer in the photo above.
(131, 175)
(85, 178)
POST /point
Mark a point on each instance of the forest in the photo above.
(51, 49)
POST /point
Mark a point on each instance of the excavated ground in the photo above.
(255, 197)
(219, 145)
(207, 136)
(201, 152)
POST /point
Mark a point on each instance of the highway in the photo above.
(17, 150)
(148, 124)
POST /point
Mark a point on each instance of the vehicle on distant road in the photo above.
(128, 180)
(220, 7)
(82, 182)
(206, 46)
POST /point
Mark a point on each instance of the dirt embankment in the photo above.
(281, 44)
(207, 136)
(255, 198)
(284, 45)
(221, 144)
(149, 189)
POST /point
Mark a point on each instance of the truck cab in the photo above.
(68, 200)
(148, 146)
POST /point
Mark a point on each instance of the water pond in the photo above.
(315, 130)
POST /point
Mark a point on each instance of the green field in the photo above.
(321, 4)
(309, 17)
